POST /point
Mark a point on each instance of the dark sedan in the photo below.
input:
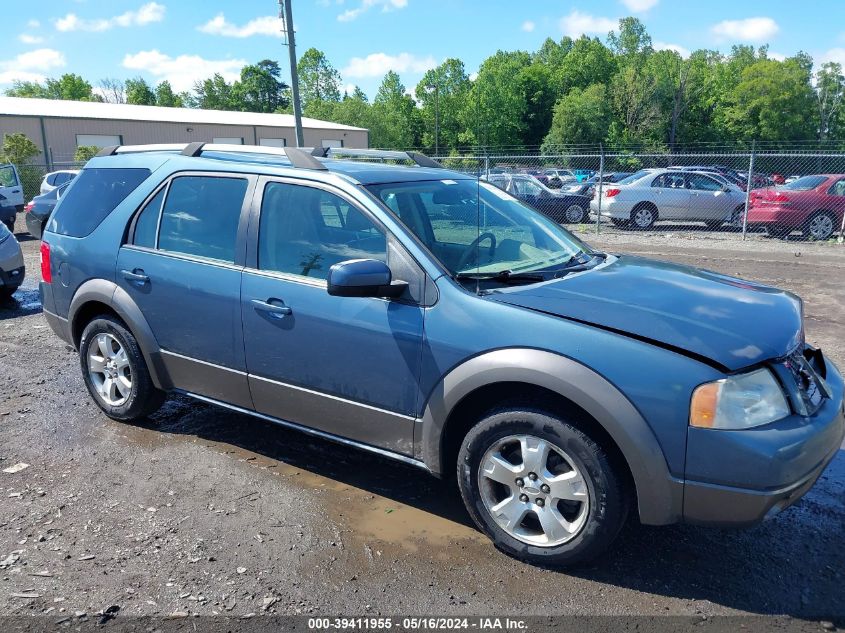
(559, 206)
(38, 211)
(588, 187)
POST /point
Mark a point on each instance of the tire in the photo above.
(598, 505)
(6, 292)
(643, 216)
(574, 214)
(820, 226)
(105, 337)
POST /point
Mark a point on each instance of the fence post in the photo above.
(841, 237)
(601, 183)
(748, 192)
(486, 166)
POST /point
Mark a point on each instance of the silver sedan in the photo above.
(11, 263)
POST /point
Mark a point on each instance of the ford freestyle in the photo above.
(432, 318)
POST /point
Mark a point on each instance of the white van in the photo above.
(11, 188)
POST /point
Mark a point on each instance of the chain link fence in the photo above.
(760, 195)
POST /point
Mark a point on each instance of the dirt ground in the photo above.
(203, 511)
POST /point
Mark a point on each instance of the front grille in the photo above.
(809, 384)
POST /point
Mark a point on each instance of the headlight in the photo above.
(738, 402)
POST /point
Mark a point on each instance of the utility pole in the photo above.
(286, 14)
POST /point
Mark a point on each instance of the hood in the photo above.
(723, 320)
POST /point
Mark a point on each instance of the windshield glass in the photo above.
(634, 177)
(475, 227)
(805, 184)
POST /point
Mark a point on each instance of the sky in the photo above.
(186, 40)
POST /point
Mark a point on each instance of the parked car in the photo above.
(589, 187)
(731, 175)
(11, 195)
(583, 174)
(432, 318)
(38, 211)
(811, 204)
(559, 206)
(12, 271)
(557, 178)
(650, 195)
(57, 179)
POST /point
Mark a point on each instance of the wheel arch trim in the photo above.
(113, 296)
(659, 495)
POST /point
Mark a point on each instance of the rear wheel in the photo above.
(574, 214)
(543, 490)
(820, 226)
(644, 216)
(115, 372)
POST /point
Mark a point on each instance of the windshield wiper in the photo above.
(504, 276)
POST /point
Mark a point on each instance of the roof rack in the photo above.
(302, 158)
(420, 159)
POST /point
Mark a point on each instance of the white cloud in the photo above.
(576, 24)
(184, 70)
(26, 38)
(666, 46)
(776, 56)
(348, 89)
(25, 66)
(528, 26)
(639, 6)
(377, 64)
(33, 24)
(366, 5)
(146, 14)
(748, 30)
(836, 55)
(473, 76)
(265, 25)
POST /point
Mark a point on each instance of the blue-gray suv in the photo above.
(430, 317)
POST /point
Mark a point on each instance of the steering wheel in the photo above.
(465, 256)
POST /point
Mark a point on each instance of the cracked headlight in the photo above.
(738, 402)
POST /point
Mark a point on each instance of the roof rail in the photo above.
(301, 157)
(420, 159)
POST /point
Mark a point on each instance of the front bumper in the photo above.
(777, 464)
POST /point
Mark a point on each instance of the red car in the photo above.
(812, 204)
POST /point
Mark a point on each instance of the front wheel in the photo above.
(115, 372)
(543, 490)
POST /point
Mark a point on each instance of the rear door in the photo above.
(182, 266)
(836, 197)
(708, 199)
(670, 195)
(10, 187)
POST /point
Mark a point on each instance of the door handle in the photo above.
(277, 310)
(138, 277)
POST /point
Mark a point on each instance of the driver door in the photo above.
(348, 366)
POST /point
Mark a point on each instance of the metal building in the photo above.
(59, 127)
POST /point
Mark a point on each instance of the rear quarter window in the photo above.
(95, 193)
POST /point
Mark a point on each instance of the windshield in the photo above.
(805, 183)
(474, 227)
(634, 177)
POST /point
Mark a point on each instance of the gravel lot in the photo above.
(203, 511)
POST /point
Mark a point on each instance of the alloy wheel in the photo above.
(821, 227)
(644, 218)
(533, 490)
(109, 369)
(574, 214)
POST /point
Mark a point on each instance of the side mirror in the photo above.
(363, 278)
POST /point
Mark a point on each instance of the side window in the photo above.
(703, 183)
(147, 222)
(51, 179)
(7, 176)
(200, 216)
(669, 181)
(305, 231)
(838, 188)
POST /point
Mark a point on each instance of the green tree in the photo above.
(165, 97)
(830, 93)
(441, 95)
(84, 153)
(69, 87)
(589, 62)
(260, 88)
(214, 93)
(138, 92)
(395, 116)
(19, 149)
(581, 117)
(318, 80)
(632, 41)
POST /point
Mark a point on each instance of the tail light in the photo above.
(46, 271)
(778, 197)
(609, 193)
(28, 207)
